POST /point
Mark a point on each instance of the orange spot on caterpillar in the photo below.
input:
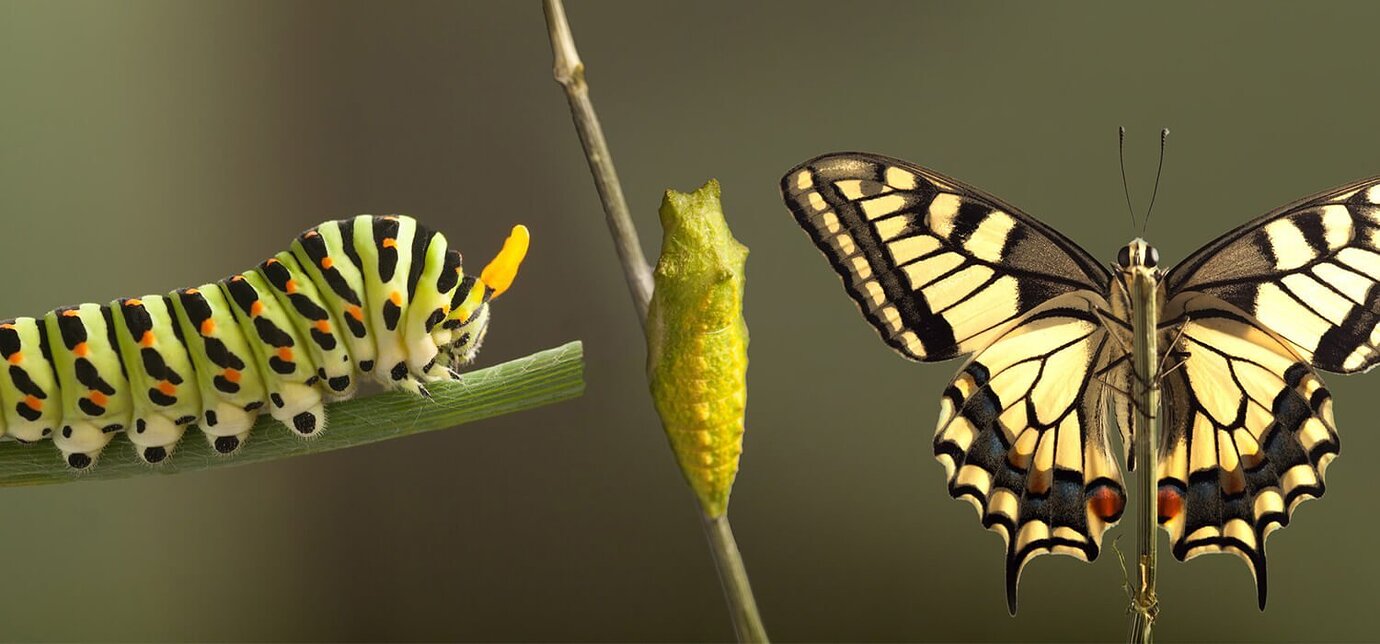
(233, 375)
(192, 291)
(257, 308)
(389, 242)
(1107, 503)
(70, 313)
(237, 278)
(395, 298)
(327, 262)
(32, 402)
(134, 302)
(271, 261)
(355, 312)
(6, 326)
(167, 388)
(291, 286)
(311, 234)
(323, 326)
(147, 340)
(285, 354)
(99, 398)
(81, 350)
(1170, 502)
(208, 326)
(16, 357)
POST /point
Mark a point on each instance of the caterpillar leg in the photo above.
(300, 408)
(154, 437)
(227, 427)
(81, 442)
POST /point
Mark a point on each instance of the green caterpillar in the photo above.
(375, 295)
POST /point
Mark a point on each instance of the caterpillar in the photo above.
(380, 296)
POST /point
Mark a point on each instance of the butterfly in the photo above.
(942, 269)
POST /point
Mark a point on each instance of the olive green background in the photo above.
(150, 145)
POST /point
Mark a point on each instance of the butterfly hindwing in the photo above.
(1307, 271)
(935, 266)
(1022, 437)
(1248, 434)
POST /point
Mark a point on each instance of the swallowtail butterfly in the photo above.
(383, 296)
(942, 270)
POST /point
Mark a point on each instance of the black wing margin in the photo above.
(935, 265)
(1307, 271)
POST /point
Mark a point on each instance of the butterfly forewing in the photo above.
(936, 266)
(1306, 271)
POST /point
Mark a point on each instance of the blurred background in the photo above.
(151, 145)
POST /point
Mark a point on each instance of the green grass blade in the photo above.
(542, 378)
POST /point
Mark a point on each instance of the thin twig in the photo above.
(747, 622)
(570, 73)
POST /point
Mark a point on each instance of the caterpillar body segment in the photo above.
(316, 324)
(95, 393)
(279, 354)
(374, 295)
(163, 387)
(327, 254)
(385, 271)
(231, 394)
(28, 386)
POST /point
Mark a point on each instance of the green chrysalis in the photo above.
(697, 342)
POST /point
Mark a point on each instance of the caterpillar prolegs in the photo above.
(381, 296)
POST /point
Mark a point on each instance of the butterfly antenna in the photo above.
(1121, 155)
(1164, 134)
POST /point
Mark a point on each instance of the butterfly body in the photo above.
(1219, 353)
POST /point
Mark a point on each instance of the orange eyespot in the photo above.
(70, 313)
(99, 398)
(396, 298)
(1106, 503)
(208, 327)
(1170, 502)
(291, 286)
(271, 261)
(192, 291)
(233, 375)
(80, 350)
(311, 234)
(147, 340)
(32, 402)
(134, 302)
(389, 242)
(323, 326)
(355, 312)
(285, 354)
(16, 357)
(327, 262)
(167, 388)
(256, 309)
(237, 278)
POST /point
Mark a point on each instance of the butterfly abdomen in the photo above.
(284, 337)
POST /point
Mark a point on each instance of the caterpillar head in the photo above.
(458, 337)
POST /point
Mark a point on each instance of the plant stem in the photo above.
(570, 73)
(1146, 398)
(747, 622)
(542, 378)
